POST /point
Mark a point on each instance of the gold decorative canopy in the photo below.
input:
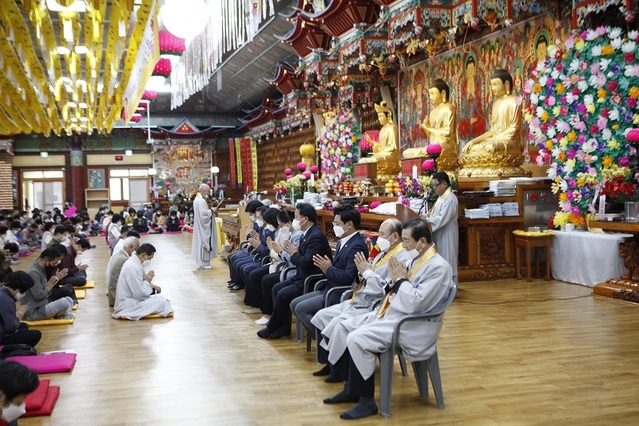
(65, 63)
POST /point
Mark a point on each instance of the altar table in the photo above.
(586, 258)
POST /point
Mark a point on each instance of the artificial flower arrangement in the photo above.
(583, 105)
(339, 146)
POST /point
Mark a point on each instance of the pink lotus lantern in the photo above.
(288, 172)
(163, 68)
(167, 184)
(307, 175)
(208, 182)
(314, 169)
(428, 166)
(170, 44)
(434, 149)
(289, 177)
(136, 117)
(301, 166)
(149, 95)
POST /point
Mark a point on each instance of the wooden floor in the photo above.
(511, 353)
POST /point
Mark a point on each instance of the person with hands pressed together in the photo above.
(41, 300)
(370, 290)
(12, 330)
(76, 274)
(313, 242)
(340, 271)
(136, 296)
(418, 286)
(241, 255)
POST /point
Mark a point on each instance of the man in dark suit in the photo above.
(313, 243)
(340, 272)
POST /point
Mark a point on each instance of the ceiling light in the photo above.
(62, 50)
(44, 154)
(81, 50)
(72, 105)
(185, 18)
(128, 152)
(76, 6)
(82, 105)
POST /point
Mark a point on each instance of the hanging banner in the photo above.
(148, 55)
(232, 160)
(247, 165)
(254, 160)
(238, 159)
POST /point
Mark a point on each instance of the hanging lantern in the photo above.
(171, 45)
(136, 117)
(163, 68)
(149, 95)
(185, 18)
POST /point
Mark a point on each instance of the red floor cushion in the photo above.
(46, 409)
(35, 399)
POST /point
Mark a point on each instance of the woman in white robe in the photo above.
(204, 245)
(136, 297)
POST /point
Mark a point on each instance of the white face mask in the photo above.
(296, 225)
(383, 243)
(259, 222)
(19, 296)
(412, 254)
(252, 217)
(12, 412)
(146, 263)
(339, 231)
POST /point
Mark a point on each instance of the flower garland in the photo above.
(583, 103)
(339, 146)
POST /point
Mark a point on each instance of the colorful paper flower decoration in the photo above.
(339, 146)
(583, 105)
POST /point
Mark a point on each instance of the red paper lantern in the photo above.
(170, 44)
(150, 95)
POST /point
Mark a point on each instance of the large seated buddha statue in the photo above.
(498, 152)
(440, 127)
(386, 149)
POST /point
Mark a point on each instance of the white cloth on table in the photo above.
(586, 258)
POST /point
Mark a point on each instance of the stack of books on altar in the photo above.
(479, 213)
(510, 209)
(503, 188)
(494, 209)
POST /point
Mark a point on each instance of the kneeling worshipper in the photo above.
(12, 330)
(116, 262)
(136, 297)
(417, 289)
(371, 289)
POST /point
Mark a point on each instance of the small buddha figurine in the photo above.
(499, 151)
(440, 127)
(386, 149)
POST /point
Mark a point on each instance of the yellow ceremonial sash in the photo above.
(432, 251)
(376, 266)
(441, 197)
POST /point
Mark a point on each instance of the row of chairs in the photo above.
(422, 369)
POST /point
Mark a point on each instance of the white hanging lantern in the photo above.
(185, 18)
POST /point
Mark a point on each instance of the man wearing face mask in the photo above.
(443, 221)
(241, 254)
(257, 241)
(204, 245)
(16, 382)
(76, 274)
(39, 299)
(13, 331)
(136, 296)
(419, 286)
(370, 290)
(116, 262)
(313, 243)
(340, 272)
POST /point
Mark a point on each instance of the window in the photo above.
(120, 184)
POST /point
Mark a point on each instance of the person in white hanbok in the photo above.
(136, 296)
(418, 288)
(204, 245)
(443, 221)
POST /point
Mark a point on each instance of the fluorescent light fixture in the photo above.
(81, 50)
(72, 105)
(44, 154)
(128, 152)
(62, 50)
(82, 105)
(76, 6)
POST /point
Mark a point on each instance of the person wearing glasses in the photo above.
(443, 221)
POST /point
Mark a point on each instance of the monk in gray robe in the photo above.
(443, 221)
(418, 288)
(204, 245)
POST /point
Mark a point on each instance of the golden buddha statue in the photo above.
(386, 149)
(440, 127)
(499, 151)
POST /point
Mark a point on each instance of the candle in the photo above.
(414, 172)
(312, 180)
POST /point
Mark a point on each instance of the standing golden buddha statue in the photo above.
(386, 149)
(498, 152)
(440, 127)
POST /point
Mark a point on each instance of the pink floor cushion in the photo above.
(50, 363)
(25, 254)
(173, 232)
(36, 399)
(189, 230)
(143, 233)
(102, 234)
(53, 392)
